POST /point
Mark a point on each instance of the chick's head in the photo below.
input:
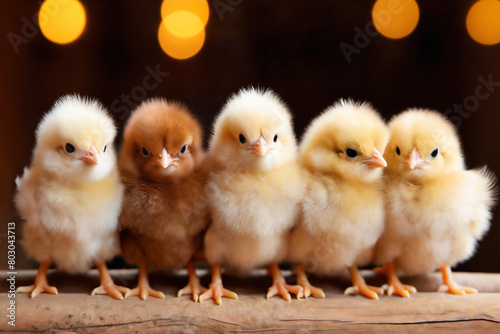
(422, 144)
(347, 140)
(253, 132)
(75, 140)
(162, 141)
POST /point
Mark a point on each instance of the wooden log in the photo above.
(74, 310)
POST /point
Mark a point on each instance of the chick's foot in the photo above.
(450, 286)
(280, 287)
(360, 286)
(41, 284)
(216, 290)
(193, 287)
(304, 283)
(107, 286)
(394, 285)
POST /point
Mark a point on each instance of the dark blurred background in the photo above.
(292, 47)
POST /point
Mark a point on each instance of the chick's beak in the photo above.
(260, 147)
(377, 160)
(414, 160)
(165, 159)
(92, 156)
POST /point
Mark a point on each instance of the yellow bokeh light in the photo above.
(60, 21)
(395, 18)
(197, 7)
(183, 24)
(483, 22)
(177, 47)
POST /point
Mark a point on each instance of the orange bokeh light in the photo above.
(483, 22)
(62, 22)
(177, 47)
(395, 18)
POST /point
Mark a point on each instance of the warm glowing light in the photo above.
(483, 22)
(62, 21)
(197, 7)
(395, 18)
(177, 47)
(183, 24)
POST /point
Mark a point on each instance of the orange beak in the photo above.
(260, 147)
(377, 160)
(92, 156)
(414, 160)
(165, 159)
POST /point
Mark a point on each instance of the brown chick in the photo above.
(164, 209)
(437, 210)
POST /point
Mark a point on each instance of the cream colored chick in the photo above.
(343, 211)
(254, 190)
(71, 196)
(437, 210)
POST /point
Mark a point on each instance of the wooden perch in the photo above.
(74, 310)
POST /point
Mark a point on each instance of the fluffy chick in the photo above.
(165, 210)
(71, 196)
(437, 210)
(254, 189)
(343, 210)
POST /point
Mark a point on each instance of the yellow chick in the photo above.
(71, 196)
(343, 210)
(254, 190)
(437, 210)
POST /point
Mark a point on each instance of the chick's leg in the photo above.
(280, 286)
(216, 290)
(41, 283)
(451, 286)
(360, 286)
(107, 286)
(304, 283)
(143, 289)
(394, 284)
(193, 287)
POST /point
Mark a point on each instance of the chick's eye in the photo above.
(242, 139)
(183, 149)
(69, 148)
(435, 152)
(398, 151)
(145, 152)
(275, 139)
(351, 153)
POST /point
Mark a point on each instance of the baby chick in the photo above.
(165, 210)
(254, 189)
(343, 210)
(437, 210)
(71, 196)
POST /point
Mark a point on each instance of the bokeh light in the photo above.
(183, 24)
(62, 22)
(197, 7)
(177, 47)
(483, 22)
(395, 18)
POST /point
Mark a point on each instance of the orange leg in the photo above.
(193, 287)
(304, 283)
(394, 284)
(216, 290)
(360, 286)
(451, 286)
(41, 283)
(279, 285)
(143, 289)
(107, 286)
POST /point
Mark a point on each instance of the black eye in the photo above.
(242, 138)
(104, 148)
(69, 148)
(398, 152)
(351, 153)
(435, 152)
(145, 152)
(275, 139)
(183, 150)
